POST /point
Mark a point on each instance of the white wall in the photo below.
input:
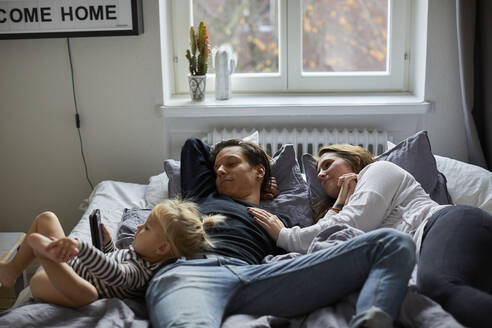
(119, 90)
(119, 87)
(445, 122)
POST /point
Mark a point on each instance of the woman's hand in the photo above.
(63, 249)
(348, 183)
(271, 191)
(271, 223)
(106, 235)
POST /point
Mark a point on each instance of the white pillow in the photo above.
(467, 184)
(253, 137)
(157, 189)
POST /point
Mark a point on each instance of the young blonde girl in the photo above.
(76, 273)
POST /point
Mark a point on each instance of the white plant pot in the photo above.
(197, 85)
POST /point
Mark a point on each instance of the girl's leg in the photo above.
(58, 284)
(47, 224)
(454, 266)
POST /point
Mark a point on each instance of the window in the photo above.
(301, 45)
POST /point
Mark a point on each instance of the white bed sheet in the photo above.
(111, 198)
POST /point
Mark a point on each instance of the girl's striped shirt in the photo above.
(116, 272)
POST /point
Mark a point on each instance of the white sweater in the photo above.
(386, 196)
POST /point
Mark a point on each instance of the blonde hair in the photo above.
(184, 227)
(355, 156)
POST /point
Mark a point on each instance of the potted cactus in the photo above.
(198, 61)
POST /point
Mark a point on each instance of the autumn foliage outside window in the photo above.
(338, 35)
(344, 35)
(250, 26)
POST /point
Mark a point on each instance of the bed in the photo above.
(123, 205)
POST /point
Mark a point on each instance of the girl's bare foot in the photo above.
(7, 275)
(39, 244)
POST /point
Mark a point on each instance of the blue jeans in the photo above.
(199, 293)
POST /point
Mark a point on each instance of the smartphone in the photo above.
(96, 230)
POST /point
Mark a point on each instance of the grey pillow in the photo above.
(412, 154)
(315, 189)
(293, 199)
(128, 226)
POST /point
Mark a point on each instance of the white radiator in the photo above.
(306, 140)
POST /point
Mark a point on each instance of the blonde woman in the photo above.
(76, 273)
(454, 242)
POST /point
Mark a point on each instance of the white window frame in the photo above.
(290, 78)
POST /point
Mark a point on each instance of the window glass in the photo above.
(344, 35)
(250, 26)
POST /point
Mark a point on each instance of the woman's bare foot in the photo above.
(39, 244)
(7, 275)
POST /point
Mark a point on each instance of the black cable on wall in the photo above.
(77, 116)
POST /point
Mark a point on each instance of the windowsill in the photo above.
(295, 105)
(399, 114)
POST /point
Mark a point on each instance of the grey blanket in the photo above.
(102, 313)
(417, 310)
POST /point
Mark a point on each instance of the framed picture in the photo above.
(32, 19)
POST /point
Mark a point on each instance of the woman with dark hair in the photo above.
(453, 242)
